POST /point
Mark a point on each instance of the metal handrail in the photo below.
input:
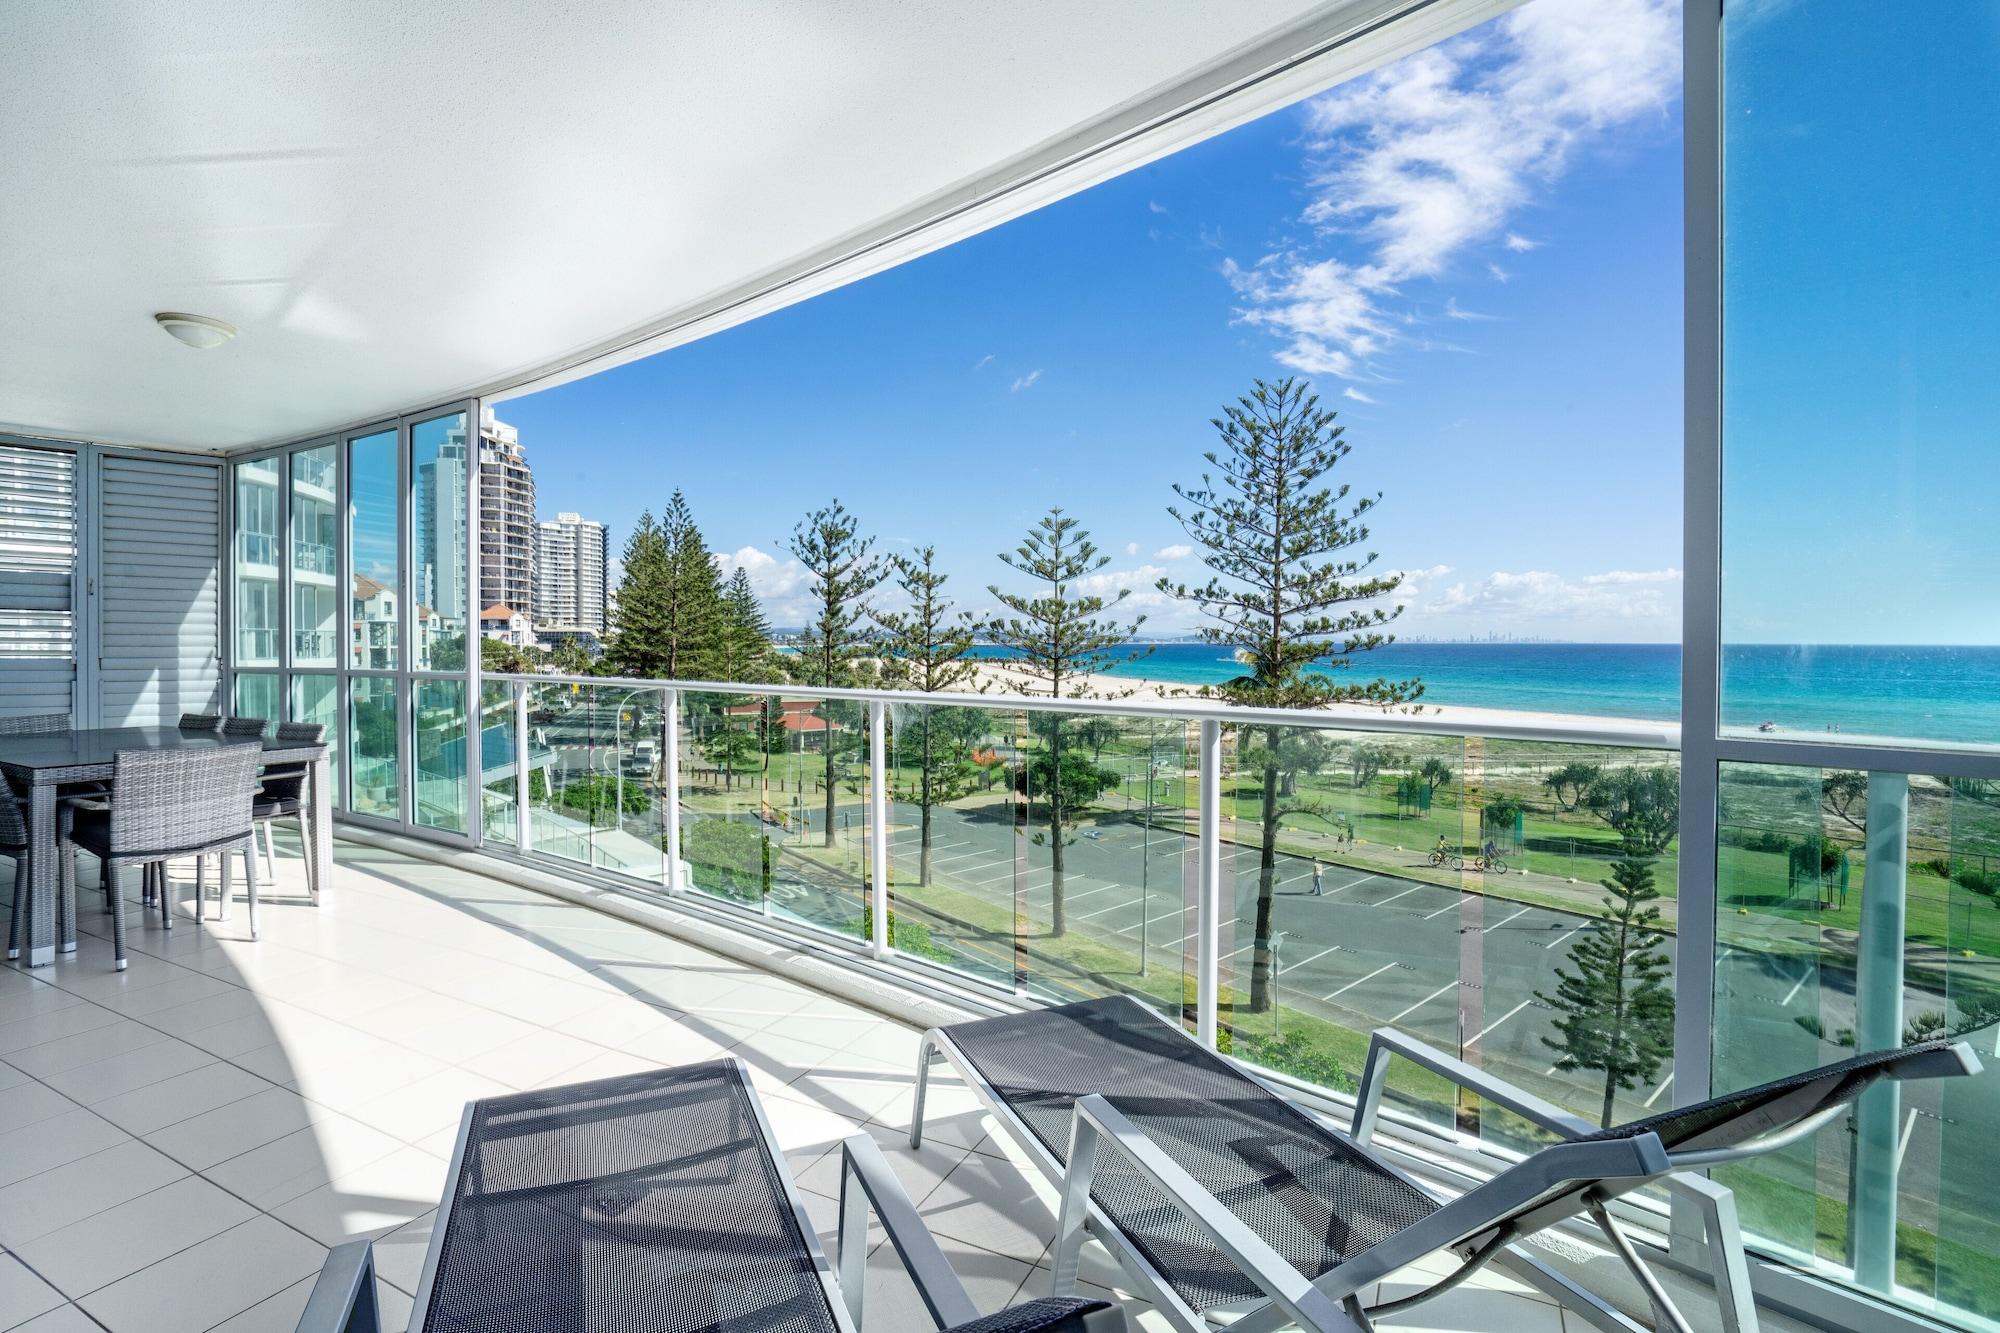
(1624, 732)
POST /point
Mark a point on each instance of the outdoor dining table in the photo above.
(41, 765)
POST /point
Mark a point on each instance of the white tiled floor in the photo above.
(180, 1143)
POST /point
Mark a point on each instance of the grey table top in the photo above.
(43, 756)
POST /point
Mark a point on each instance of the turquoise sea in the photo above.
(1929, 693)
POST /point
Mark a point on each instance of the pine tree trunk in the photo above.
(826, 748)
(1261, 988)
(1057, 923)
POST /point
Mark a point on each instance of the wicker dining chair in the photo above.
(283, 795)
(246, 726)
(201, 721)
(14, 842)
(34, 724)
(169, 803)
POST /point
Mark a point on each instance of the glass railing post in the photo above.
(1878, 1025)
(670, 781)
(878, 831)
(1209, 907)
(524, 823)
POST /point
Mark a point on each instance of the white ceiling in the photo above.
(402, 202)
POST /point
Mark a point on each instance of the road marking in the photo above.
(1426, 1000)
(1404, 894)
(1357, 981)
(1903, 1143)
(1118, 906)
(1245, 949)
(1079, 897)
(1448, 907)
(1804, 977)
(1497, 924)
(1665, 1083)
(1497, 1022)
(1560, 938)
(1350, 884)
(1303, 961)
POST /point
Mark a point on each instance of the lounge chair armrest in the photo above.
(868, 1185)
(1375, 1074)
(1096, 1120)
(343, 1297)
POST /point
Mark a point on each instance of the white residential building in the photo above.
(572, 555)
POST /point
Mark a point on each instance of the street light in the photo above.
(1146, 847)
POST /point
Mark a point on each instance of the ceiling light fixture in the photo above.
(197, 331)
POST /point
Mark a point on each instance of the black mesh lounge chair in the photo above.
(658, 1202)
(1220, 1196)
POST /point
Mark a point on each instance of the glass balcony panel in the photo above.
(620, 793)
(441, 768)
(499, 791)
(372, 544)
(1826, 946)
(559, 744)
(257, 696)
(1103, 868)
(377, 761)
(316, 698)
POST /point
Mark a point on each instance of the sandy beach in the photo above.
(1001, 679)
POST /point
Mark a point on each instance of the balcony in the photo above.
(189, 1137)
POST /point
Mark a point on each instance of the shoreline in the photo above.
(991, 675)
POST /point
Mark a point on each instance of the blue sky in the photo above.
(1474, 254)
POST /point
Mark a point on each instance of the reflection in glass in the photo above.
(256, 548)
(377, 768)
(371, 541)
(438, 736)
(438, 461)
(315, 560)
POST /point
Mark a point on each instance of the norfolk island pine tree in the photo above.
(1289, 589)
(844, 570)
(925, 649)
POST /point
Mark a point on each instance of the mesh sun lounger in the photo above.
(656, 1203)
(1221, 1197)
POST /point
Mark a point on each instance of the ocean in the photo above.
(1949, 694)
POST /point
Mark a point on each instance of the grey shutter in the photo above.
(37, 581)
(159, 590)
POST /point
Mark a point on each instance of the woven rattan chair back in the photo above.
(201, 721)
(247, 726)
(13, 824)
(171, 801)
(34, 724)
(313, 732)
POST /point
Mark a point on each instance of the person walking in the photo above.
(1319, 883)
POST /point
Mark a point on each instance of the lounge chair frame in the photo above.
(1331, 1302)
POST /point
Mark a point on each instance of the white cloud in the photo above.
(1413, 165)
(1497, 273)
(1351, 392)
(781, 585)
(1155, 206)
(1619, 603)
(983, 362)
(1519, 244)
(1025, 381)
(1131, 548)
(1178, 551)
(1452, 310)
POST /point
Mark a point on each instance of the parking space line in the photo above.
(1426, 1000)
(1498, 1021)
(1448, 907)
(1665, 1083)
(1560, 938)
(1357, 981)
(1118, 906)
(1303, 961)
(1503, 921)
(1804, 977)
(1404, 894)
